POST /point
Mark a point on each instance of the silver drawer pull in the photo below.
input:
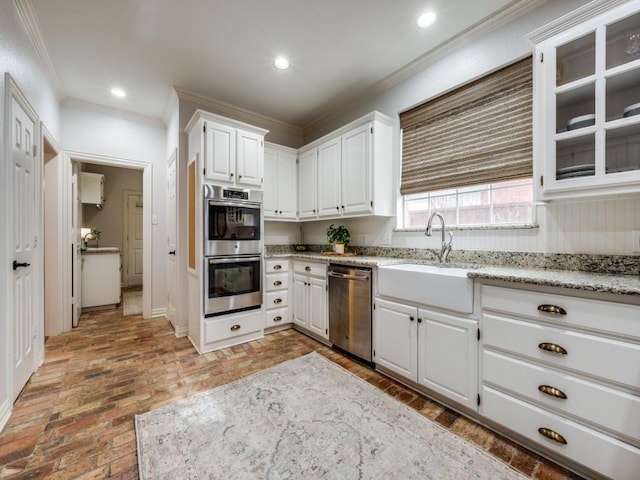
(277, 319)
(235, 327)
(277, 283)
(552, 391)
(553, 348)
(308, 269)
(555, 436)
(553, 309)
(277, 267)
(277, 300)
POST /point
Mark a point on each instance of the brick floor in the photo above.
(74, 419)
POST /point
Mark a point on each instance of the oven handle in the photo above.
(214, 260)
(217, 203)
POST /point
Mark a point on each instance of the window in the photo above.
(502, 203)
(468, 153)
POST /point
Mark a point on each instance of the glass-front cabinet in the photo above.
(587, 103)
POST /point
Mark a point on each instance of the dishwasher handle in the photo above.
(346, 276)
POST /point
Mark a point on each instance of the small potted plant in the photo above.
(338, 237)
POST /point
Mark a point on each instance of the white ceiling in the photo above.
(224, 49)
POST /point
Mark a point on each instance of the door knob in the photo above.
(17, 265)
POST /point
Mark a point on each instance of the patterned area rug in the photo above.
(132, 302)
(305, 418)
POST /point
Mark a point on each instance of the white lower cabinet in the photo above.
(435, 349)
(276, 297)
(310, 297)
(562, 373)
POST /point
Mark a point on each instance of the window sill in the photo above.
(529, 226)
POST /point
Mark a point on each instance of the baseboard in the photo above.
(158, 312)
(181, 331)
(5, 413)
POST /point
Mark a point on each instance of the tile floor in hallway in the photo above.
(74, 419)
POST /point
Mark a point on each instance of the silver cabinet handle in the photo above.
(277, 283)
(307, 268)
(277, 267)
(277, 300)
(235, 327)
(277, 319)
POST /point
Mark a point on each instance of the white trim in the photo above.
(5, 413)
(571, 19)
(181, 331)
(30, 20)
(159, 312)
(72, 102)
(147, 194)
(226, 109)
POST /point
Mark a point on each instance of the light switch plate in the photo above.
(386, 239)
(635, 235)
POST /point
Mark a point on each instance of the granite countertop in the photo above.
(578, 280)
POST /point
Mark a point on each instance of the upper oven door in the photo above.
(232, 228)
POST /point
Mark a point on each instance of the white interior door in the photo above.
(172, 271)
(24, 178)
(76, 253)
(134, 242)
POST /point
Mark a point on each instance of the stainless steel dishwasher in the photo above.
(350, 309)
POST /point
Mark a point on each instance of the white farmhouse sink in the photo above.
(444, 287)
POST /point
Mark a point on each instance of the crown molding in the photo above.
(78, 104)
(30, 21)
(572, 19)
(514, 10)
(232, 111)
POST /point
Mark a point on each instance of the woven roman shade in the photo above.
(479, 133)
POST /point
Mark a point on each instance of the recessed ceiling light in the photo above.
(281, 63)
(118, 92)
(426, 19)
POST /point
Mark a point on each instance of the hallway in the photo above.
(74, 419)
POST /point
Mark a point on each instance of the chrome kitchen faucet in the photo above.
(445, 248)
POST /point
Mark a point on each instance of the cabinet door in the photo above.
(447, 353)
(318, 306)
(250, 157)
(307, 184)
(219, 152)
(287, 185)
(329, 155)
(270, 194)
(300, 300)
(396, 342)
(356, 170)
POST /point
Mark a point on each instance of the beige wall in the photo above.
(110, 220)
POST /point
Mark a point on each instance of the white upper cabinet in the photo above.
(587, 103)
(329, 195)
(354, 170)
(280, 183)
(307, 184)
(232, 152)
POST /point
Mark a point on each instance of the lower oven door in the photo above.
(232, 284)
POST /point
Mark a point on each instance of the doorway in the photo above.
(69, 255)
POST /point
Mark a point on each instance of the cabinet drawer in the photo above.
(276, 299)
(582, 399)
(607, 317)
(597, 451)
(221, 329)
(276, 265)
(610, 360)
(278, 316)
(276, 281)
(310, 268)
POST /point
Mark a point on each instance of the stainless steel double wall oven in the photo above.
(232, 249)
